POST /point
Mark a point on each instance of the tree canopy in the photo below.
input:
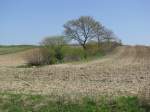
(85, 29)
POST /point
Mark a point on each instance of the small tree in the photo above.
(54, 44)
(109, 39)
(81, 30)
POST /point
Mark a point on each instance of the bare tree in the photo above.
(108, 35)
(99, 31)
(86, 29)
(110, 39)
(81, 30)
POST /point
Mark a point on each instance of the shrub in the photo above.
(92, 49)
(72, 53)
(49, 55)
(40, 56)
(55, 50)
(59, 54)
(34, 57)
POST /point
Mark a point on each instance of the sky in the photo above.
(29, 21)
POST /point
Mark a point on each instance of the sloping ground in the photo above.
(11, 59)
(123, 72)
(14, 59)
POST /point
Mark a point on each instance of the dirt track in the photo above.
(125, 71)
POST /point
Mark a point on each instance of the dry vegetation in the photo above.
(124, 72)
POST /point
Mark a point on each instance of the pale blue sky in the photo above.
(28, 21)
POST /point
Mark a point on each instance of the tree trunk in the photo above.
(98, 42)
(84, 46)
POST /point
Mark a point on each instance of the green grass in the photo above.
(14, 48)
(38, 103)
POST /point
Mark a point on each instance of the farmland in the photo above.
(124, 72)
(14, 48)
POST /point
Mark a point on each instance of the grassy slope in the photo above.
(14, 48)
(38, 103)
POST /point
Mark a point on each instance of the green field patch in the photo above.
(14, 48)
(39, 103)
